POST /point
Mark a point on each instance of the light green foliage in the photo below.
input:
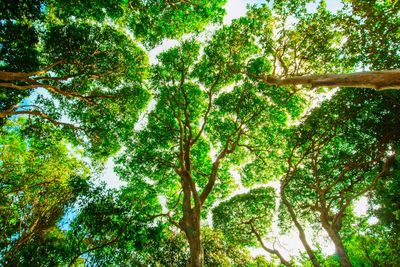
(93, 70)
(215, 112)
(343, 155)
(105, 68)
(244, 214)
(312, 45)
(172, 250)
(183, 105)
(261, 261)
(39, 180)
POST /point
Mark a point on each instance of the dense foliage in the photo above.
(230, 141)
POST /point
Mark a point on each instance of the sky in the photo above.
(290, 243)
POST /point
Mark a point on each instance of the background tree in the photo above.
(333, 39)
(39, 181)
(333, 164)
(112, 227)
(246, 219)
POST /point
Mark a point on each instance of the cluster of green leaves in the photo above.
(244, 215)
(372, 30)
(39, 181)
(91, 67)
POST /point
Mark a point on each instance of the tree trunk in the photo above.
(378, 80)
(340, 250)
(191, 227)
(196, 250)
(190, 222)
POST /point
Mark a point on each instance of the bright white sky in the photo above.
(291, 244)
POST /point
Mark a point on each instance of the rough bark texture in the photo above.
(378, 80)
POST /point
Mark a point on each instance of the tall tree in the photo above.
(93, 76)
(331, 165)
(185, 126)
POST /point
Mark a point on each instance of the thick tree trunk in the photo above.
(196, 250)
(190, 222)
(340, 250)
(191, 226)
(378, 80)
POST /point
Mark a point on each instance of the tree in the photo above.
(331, 165)
(173, 148)
(323, 49)
(126, 233)
(246, 218)
(78, 71)
(39, 181)
(90, 80)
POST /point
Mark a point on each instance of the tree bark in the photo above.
(190, 222)
(378, 80)
(196, 248)
(340, 250)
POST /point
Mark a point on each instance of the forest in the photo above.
(270, 139)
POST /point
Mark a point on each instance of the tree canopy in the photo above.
(240, 134)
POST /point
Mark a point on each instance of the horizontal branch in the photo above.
(378, 80)
(38, 114)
